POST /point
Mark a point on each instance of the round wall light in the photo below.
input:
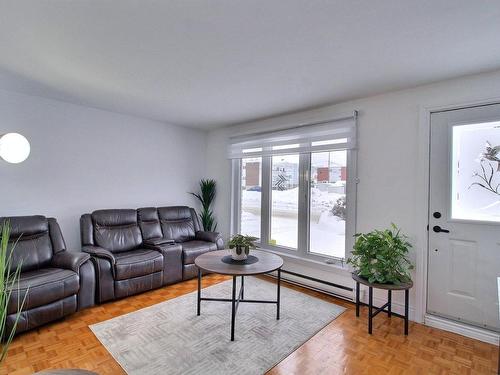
(14, 148)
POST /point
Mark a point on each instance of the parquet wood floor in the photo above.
(342, 347)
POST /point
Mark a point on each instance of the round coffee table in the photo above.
(213, 262)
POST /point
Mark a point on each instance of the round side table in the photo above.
(387, 308)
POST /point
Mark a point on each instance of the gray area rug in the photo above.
(169, 338)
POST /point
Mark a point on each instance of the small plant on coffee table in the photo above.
(242, 243)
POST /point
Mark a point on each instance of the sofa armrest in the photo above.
(214, 237)
(172, 261)
(69, 260)
(158, 241)
(161, 247)
(99, 252)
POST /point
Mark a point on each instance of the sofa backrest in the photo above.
(34, 240)
(125, 229)
(114, 230)
(178, 223)
(149, 221)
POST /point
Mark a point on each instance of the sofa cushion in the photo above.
(116, 230)
(137, 263)
(129, 287)
(114, 217)
(30, 238)
(46, 285)
(177, 223)
(192, 249)
(149, 223)
(37, 316)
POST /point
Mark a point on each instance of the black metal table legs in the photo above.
(389, 301)
(234, 306)
(278, 294)
(407, 306)
(237, 298)
(357, 299)
(199, 292)
(242, 287)
(370, 310)
(387, 308)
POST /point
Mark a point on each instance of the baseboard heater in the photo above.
(324, 282)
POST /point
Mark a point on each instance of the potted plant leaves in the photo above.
(240, 245)
(9, 284)
(206, 196)
(381, 256)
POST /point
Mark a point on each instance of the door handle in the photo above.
(437, 229)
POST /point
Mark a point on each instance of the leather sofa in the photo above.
(58, 282)
(138, 250)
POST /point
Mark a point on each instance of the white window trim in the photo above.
(303, 240)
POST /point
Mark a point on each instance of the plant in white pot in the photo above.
(240, 245)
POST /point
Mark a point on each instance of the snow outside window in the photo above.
(284, 201)
(297, 203)
(328, 208)
(251, 195)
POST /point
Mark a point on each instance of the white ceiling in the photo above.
(217, 62)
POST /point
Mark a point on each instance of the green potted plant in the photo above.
(9, 282)
(381, 256)
(240, 245)
(206, 198)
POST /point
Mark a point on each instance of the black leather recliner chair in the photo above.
(58, 282)
(138, 250)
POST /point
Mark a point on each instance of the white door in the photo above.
(464, 215)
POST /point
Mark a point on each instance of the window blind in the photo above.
(333, 134)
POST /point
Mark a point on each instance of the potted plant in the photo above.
(240, 245)
(380, 256)
(9, 282)
(206, 198)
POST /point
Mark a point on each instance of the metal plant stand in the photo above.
(387, 307)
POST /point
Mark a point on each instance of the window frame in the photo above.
(303, 242)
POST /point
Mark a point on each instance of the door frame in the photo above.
(422, 221)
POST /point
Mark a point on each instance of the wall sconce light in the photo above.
(14, 148)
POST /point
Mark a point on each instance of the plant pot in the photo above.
(239, 253)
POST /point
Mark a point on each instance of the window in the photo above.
(328, 209)
(297, 189)
(251, 186)
(285, 200)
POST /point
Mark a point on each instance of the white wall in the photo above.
(84, 159)
(388, 159)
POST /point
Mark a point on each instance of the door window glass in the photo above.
(475, 182)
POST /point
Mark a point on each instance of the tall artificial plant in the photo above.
(9, 283)
(206, 196)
